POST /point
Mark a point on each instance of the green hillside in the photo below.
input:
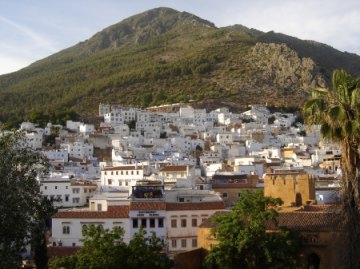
(165, 56)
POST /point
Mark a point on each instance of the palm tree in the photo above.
(337, 110)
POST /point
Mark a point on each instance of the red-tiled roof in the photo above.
(195, 206)
(111, 213)
(147, 206)
(233, 185)
(300, 221)
(125, 167)
(174, 168)
(310, 221)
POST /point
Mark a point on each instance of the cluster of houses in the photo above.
(169, 169)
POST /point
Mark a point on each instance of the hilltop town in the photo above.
(168, 169)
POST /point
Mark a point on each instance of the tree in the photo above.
(244, 241)
(337, 110)
(147, 252)
(20, 198)
(105, 249)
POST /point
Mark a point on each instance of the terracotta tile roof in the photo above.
(302, 221)
(125, 167)
(195, 206)
(310, 221)
(147, 206)
(112, 213)
(233, 185)
(174, 168)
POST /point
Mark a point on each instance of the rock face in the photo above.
(278, 66)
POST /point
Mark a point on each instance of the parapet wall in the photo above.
(293, 188)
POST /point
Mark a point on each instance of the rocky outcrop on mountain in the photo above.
(277, 66)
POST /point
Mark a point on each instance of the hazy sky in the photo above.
(33, 29)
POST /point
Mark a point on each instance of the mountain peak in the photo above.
(138, 29)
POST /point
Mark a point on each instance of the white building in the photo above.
(53, 155)
(186, 210)
(87, 128)
(67, 225)
(122, 177)
(79, 150)
(65, 191)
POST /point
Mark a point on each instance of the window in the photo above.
(160, 223)
(109, 181)
(224, 195)
(152, 223)
(66, 229)
(99, 207)
(135, 223)
(66, 198)
(194, 242)
(173, 243)
(76, 190)
(173, 223)
(181, 200)
(45, 187)
(76, 200)
(55, 187)
(143, 223)
(183, 243)
(183, 223)
(194, 222)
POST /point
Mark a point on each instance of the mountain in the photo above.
(165, 56)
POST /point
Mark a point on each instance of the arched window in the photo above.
(313, 261)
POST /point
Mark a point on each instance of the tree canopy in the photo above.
(21, 204)
(103, 248)
(245, 242)
(337, 111)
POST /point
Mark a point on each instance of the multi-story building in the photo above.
(66, 191)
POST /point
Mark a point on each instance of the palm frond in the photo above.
(355, 98)
(337, 113)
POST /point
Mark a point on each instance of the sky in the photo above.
(31, 30)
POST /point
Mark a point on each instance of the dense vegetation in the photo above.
(23, 209)
(159, 56)
(106, 249)
(244, 238)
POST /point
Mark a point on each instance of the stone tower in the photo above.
(294, 188)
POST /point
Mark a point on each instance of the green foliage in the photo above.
(244, 241)
(146, 252)
(22, 207)
(58, 117)
(106, 249)
(337, 110)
